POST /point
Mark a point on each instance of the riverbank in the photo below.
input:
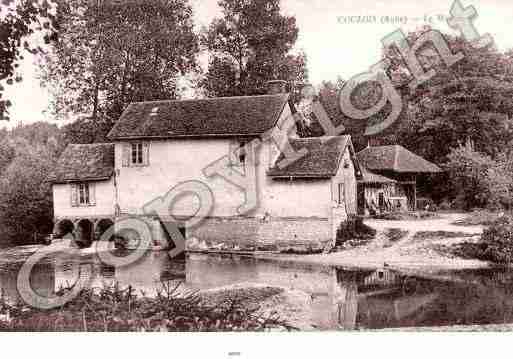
(424, 245)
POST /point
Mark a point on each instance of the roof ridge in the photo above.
(92, 144)
(207, 99)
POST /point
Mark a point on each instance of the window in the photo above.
(136, 154)
(341, 193)
(137, 157)
(83, 194)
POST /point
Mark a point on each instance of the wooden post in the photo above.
(414, 193)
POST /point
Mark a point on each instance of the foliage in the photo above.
(395, 234)
(25, 196)
(354, 232)
(499, 180)
(110, 54)
(496, 244)
(115, 309)
(405, 216)
(249, 46)
(19, 21)
(477, 180)
(468, 173)
(471, 99)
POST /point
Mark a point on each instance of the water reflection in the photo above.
(371, 299)
(336, 298)
(51, 275)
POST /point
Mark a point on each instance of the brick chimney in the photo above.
(275, 87)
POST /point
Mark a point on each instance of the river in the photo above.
(337, 298)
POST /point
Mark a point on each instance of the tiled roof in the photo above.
(227, 116)
(321, 161)
(84, 163)
(395, 158)
(370, 177)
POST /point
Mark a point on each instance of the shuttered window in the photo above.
(136, 154)
(83, 194)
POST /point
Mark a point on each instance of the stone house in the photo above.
(158, 145)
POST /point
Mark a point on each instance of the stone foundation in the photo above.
(274, 234)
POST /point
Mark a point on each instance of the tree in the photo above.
(499, 180)
(468, 171)
(250, 45)
(20, 20)
(472, 99)
(110, 54)
(25, 195)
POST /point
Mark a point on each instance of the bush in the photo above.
(395, 234)
(496, 244)
(115, 309)
(497, 241)
(355, 231)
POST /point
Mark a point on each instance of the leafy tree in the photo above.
(499, 180)
(110, 54)
(473, 99)
(7, 154)
(468, 171)
(250, 45)
(25, 196)
(19, 20)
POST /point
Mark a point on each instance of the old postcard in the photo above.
(250, 166)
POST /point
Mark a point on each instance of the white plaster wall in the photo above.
(171, 163)
(105, 201)
(348, 177)
(179, 160)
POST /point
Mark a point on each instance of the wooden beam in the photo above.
(415, 195)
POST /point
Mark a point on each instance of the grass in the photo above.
(406, 216)
(395, 234)
(427, 235)
(122, 310)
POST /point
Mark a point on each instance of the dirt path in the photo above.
(409, 253)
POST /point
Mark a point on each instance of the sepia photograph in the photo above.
(256, 166)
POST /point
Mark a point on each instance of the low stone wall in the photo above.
(274, 234)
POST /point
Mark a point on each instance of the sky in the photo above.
(334, 45)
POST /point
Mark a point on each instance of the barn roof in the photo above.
(395, 158)
(370, 177)
(321, 160)
(92, 162)
(227, 116)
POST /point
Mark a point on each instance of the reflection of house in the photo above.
(398, 165)
(159, 145)
(381, 277)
